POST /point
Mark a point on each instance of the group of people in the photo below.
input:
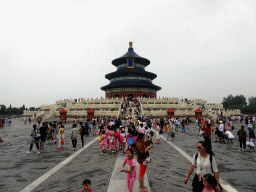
(5, 121)
(134, 136)
(225, 132)
(54, 133)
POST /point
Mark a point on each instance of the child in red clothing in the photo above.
(86, 186)
(102, 142)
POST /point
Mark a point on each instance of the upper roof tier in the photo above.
(130, 54)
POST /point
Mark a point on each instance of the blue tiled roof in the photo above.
(131, 73)
(130, 54)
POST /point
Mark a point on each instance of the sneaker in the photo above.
(58, 149)
(63, 148)
(74, 149)
(168, 140)
(156, 143)
(28, 152)
(38, 152)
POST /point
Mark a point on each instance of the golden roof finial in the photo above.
(130, 43)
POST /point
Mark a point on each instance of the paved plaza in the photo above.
(65, 170)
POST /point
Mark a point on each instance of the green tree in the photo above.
(9, 109)
(227, 101)
(31, 108)
(3, 109)
(252, 100)
(237, 102)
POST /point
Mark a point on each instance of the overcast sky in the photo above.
(52, 50)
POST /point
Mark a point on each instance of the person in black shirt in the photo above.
(218, 133)
(82, 132)
(43, 132)
(162, 123)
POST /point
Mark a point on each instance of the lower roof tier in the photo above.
(131, 83)
(130, 73)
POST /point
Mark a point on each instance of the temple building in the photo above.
(131, 79)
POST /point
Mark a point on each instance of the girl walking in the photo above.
(123, 140)
(34, 140)
(168, 131)
(131, 171)
(50, 131)
(61, 138)
(102, 142)
(107, 136)
(209, 183)
(112, 141)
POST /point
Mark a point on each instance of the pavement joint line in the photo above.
(118, 181)
(49, 173)
(224, 184)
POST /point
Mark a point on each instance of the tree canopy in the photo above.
(11, 110)
(239, 102)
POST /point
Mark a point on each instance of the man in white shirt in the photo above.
(229, 135)
(221, 127)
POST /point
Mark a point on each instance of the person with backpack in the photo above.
(207, 134)
(74, 135)
(35, 139)
(82, 132)
(86, 125)
(205, 163)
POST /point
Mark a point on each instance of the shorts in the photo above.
(252, 135)
(42, 139)
(143, 169)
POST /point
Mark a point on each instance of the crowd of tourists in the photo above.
(134, 136)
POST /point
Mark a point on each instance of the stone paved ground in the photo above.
(235, 167)
(166, 173)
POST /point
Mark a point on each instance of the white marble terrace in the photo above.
(112, 107)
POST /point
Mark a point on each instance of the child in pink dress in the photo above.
(107, 136)
(86, 186)
(131, 172)
(102, 142)
(112, 141)
(209, 183)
